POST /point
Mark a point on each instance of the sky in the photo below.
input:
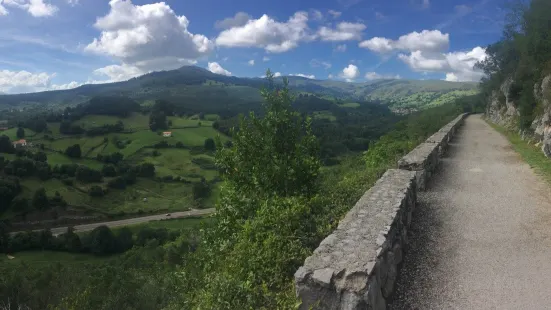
(61, 44)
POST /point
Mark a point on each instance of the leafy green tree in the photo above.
(102, 241)
(20, 133)
(40, 200)
(210, 145)
(124, 240)
(5, 145)
(157, 121)
(276, 155)
(201, 189)
(40, 156)
(73, 151)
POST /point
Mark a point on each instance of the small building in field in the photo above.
(3, 128)
(167, 134)
(21, 142)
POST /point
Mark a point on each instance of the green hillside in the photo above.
(203, 91)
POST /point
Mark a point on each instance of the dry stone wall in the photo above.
(356, 266)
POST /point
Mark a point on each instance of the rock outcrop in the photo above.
(503, 111)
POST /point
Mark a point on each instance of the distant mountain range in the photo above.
(195, 85)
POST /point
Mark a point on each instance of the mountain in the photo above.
(199, 87)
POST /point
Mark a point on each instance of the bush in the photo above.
(74, 151)
(96, 191)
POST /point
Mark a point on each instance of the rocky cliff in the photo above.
(502, 110)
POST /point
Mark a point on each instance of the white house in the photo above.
(167, 134)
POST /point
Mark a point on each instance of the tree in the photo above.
(109, 171)
(40, 156)
(124, 240)
(200, 189)
(157, 120)
(210, 145)
(20, 133)
(74, 151)
(96, 191)
(102, 241)
(5, 145)
(40, 199)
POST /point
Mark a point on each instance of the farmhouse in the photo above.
(21, 142)
(167, 134)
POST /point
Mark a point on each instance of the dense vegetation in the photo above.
(523, 56)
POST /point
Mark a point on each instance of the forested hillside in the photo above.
(518, 69)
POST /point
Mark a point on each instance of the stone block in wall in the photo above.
(441, 138)
(423, 160)
(356, 266)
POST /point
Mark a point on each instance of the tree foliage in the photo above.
(523, 55)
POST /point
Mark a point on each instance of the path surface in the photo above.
(481, 236)
(133, 221)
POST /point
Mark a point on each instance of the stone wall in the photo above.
(356, 266)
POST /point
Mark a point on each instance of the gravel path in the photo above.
(481, 235)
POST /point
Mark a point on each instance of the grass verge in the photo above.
(529, 152)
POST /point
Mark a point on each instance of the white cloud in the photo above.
(426, 41)
(70, 85)
(308, 76)
(350, 73)
(72, 2)
(214, 67)
(462, 65)
(267, 33)
(426, 4)
(3, 10)
(380, 16)
(335, 14)
(330, 76)
(378, 45)
(340, 48)
(344, 31)
(419, 62)
(37, 8)
(118, 73)
(458, 66)
(316, 15)
(376, 76)
(24, 81)
(277, 74)
(316, 63)
(149, 37)
(240, 19)
(251, 62)
(14, 82)
(265, 58)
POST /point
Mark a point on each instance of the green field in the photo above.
(178, 162)
(47, 258)
(350, 105)
(325, 115)
(171, 224)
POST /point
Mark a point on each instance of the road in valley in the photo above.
(134, 221)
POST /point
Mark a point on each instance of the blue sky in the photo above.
(57, 44)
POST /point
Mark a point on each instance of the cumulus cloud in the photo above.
(117, 73)
(426, 40)
(340, 48)
(277, 74)
(316, 14)
(350, 73)
(14, 82)
(214, 67)
(240, 19)
(308, 76)
(37, 8)
(148, 37)
(316, 63)
(335, 14)
(376, 76)
(3, 10)
(344, 31)
(267, 33)
(251, 62)
(458, 66)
